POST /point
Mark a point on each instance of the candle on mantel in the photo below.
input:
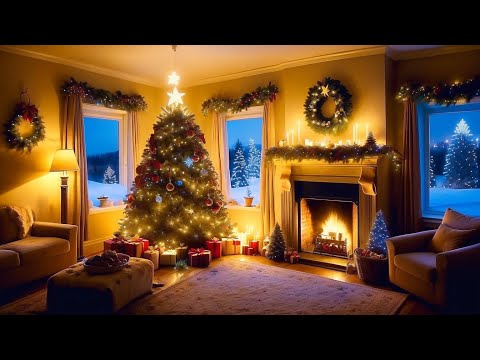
(348, 142)
(293, 133)
(298, 132)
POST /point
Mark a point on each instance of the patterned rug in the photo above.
(233, 287)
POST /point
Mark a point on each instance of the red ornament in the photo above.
(155, 178)
(170, 187)
(190, 133)
(195, 158)
(201, 136)
(209, 202)
(139, 181)
(216, 208)
(220, 202)
(140, 169)
(156, 164)
(130, 198)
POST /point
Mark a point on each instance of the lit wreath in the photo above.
(317, 96)
(24, 112)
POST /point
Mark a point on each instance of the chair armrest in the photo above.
(63, 231)
(465, 260)
(409, 243)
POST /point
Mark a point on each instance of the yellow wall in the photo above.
(25, 177)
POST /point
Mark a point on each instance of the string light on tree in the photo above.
(378, 235)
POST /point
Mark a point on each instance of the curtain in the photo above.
(411, 170)
(73, 138)
(267, 171)
(219, 155)
(132, 146)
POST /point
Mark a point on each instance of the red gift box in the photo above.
(215, 247)
(199, 257)
(254, 245)
(115, 244)
(294, 257)
(251, 251)
(245, 249)
(145, 243)
(133, 248)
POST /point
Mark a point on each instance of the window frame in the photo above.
(424, 110)
(250, 113)
(104, 113)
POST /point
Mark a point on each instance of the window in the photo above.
(105, 142)
(449, 137)
(244, 137)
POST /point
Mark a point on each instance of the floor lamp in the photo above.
(64, 160)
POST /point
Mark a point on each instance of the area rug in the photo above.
(233, 287)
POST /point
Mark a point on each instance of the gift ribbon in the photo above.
(197, 251)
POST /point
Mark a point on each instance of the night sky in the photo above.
(101, 136)
(443, 125)
(244, 130)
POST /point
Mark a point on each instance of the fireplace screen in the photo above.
(328, 227)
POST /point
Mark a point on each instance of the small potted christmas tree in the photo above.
(249, 197)
(276, 246)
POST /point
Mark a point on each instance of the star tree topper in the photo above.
(175, 97)
(325, 90)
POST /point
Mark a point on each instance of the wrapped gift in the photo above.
(160, 248)
(294, 258)
(245, 249)
(133, 248)
(168, 257)
(145, 243)
(182, 253)
(254, 244)
(215, 247)
(251, 251)
(199, 257)
(115, 244)
(152, 255)
(287, 253)
(231, 246)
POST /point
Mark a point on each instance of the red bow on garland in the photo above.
(28, 112)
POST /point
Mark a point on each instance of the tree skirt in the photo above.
(232, 287)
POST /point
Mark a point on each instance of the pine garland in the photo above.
(441, 94)
(256, 97)
(103, 97)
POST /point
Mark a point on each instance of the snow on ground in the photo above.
(466, 201)
(115, 192)
(238, 193)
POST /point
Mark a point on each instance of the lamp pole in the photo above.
(64, 197)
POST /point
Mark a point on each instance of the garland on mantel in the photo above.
(441, 94)
(256, 97)
(339, 153)
(103, 97)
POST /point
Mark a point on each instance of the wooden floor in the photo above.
(168, 277)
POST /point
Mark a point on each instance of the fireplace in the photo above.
(327, 218)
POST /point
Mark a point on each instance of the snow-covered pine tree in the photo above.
(239, 173)
(276, 247)
(433, 182)
(109, 176)
(254, 159)
(461, 167)
(378, 235)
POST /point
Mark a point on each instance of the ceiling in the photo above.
(197, 64)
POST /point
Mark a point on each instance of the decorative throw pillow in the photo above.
(446, 238)
(457, 220)
(8, 228)
(23, 217)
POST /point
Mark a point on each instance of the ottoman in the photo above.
(74, 291)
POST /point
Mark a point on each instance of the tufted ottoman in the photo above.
(74, 291)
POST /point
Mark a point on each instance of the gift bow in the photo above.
(197, 251)
(294, 253)
(215, 239)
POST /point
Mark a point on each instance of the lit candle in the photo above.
(349, 143)
(298, 132)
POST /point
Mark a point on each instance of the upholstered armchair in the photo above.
(440, 266)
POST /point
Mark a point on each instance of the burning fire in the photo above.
(336, 225)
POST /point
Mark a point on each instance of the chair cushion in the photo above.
(9, 229)
(34, 247)
(446, 238)
(8, 259)
(419, 264)
(23, 218)
(457, 220)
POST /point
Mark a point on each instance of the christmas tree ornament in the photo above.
(155, 178)
(190, 133)
(195, 158)
(179, 183)
(208, 201)
(141, 169)
(156, 164)
(158, 198)
(130, 198)
(203, 172)
(188, 162)
(139, 181)
(216, 208)
(170, 186)
(201, 137)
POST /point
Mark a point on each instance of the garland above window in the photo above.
(103, 97)
(254, 98)
(442, 94)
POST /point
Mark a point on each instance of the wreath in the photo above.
(316, 98)
(24, 115)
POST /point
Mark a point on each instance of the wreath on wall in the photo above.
(25, 128)
(316, 98)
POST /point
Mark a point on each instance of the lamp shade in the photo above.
(64, 160)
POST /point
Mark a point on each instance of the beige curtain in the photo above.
(73, 138)
(132, 146)
(267, 171)
(219, 155)
(411, 170)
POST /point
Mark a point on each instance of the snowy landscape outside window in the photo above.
(244, 134)
(451, 158)
(106, 161)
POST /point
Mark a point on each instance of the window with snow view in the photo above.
(451, 158)
(244, 136)
(106, 161)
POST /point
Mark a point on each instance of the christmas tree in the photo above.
(109, 176)
(276, 247)
(239, 172)
(461, 167)
(254, 159)
(175, 197)
(378, 235)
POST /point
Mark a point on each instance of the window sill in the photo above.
(99, 210)
(244, 208)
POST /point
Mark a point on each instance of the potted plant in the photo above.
(249, 197)
(103, 200)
